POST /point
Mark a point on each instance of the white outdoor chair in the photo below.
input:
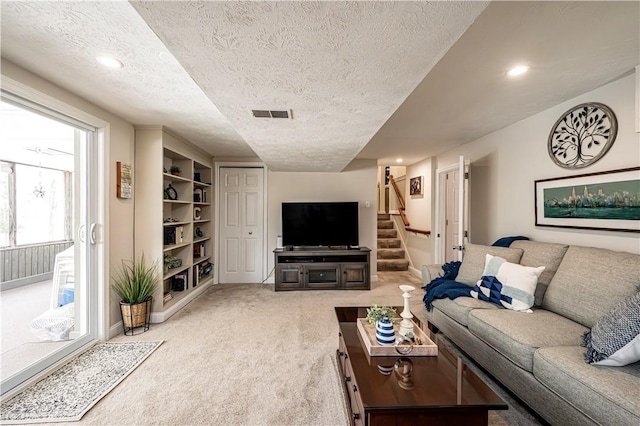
(57, 322)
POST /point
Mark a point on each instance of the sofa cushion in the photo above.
(517, 336)
(474, 258)
(458, 309)
(536, 254)
(606, 394)
(614, 339)
(507, 284)
(430, 273)
(590, 282)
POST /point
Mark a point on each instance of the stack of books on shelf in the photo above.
(167, 296)
(202, 270)
(199, 250)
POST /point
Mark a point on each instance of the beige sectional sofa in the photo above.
(538, 355)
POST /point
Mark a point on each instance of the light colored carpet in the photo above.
(246, 355)
(73, 389)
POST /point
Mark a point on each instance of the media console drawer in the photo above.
(322, 269)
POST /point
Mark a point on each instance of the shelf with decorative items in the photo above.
(200, 250)
(202, 174)
(177, 192)
(177, 257)
(202, 271)
(176, 228)
(176, 286)
(201, 213)
(201, 194)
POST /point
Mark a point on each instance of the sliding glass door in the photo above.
(48, 232)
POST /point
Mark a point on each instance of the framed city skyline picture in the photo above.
(605, 201)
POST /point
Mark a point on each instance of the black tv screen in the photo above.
(320, 224)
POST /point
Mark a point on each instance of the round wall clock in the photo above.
(582, 135)
(170, 193)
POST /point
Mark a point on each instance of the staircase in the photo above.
(390, 253)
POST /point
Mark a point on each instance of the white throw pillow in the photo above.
(507, 284)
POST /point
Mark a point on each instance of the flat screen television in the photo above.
(318, 224)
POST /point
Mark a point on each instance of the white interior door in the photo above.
(461, 206)
(241, 211)
(452, 211)
(452, 217)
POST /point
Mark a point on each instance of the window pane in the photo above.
(5, 210)
(40, 205)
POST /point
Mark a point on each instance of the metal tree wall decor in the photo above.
(582, 135)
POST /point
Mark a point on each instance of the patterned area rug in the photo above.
(68, 393)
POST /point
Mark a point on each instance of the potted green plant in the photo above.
(135, 283)
(175, 170)
(376, 313)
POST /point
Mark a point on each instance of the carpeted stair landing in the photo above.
(390, 252)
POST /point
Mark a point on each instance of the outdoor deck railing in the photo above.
(21, 263)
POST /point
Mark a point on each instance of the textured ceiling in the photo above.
(342, 67)
(348, 70)
(60, 41)
(572, 47)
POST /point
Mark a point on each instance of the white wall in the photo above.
(505, 164)
(119, 241)
(419, 247)
(356, 183)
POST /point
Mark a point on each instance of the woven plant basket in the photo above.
(137, 315)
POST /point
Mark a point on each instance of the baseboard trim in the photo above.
(158, 317)
(416, 272)
(115, 330)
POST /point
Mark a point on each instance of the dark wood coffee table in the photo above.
(439, 390)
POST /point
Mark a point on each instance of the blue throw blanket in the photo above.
(506, 241)
(445, 286)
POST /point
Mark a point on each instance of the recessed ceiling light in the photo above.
(110, 62)
(399, 160)
(519, 70)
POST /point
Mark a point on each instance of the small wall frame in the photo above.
(415, 186)
(124, 177)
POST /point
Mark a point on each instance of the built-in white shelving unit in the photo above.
(173, 216)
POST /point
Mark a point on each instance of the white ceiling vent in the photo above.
(264, 113)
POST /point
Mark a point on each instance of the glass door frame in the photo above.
(95, 229)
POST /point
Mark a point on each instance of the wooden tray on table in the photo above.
(368, 337)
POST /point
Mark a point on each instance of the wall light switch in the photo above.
(367, 204)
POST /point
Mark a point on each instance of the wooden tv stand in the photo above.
(322, 269)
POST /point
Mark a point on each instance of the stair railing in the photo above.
(402, 208)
